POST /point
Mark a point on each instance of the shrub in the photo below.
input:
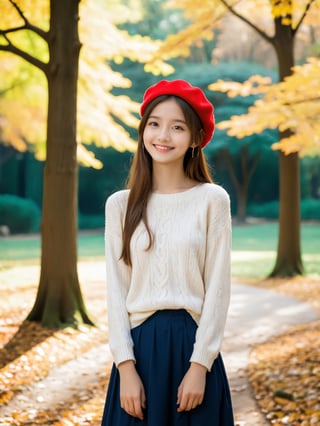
(19, 214)
(267, 210)
(310, 209)
(90, 221)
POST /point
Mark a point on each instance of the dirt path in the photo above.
(64, 382)
(255, 315)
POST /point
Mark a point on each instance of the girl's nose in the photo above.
(163, 134)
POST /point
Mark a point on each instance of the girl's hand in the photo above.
(192, 387)
(132, 395)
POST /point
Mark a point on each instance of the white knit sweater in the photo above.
(188, 267)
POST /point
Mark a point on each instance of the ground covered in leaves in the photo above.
(29, 353)
(285, 371)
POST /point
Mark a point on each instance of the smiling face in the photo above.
(166, 135)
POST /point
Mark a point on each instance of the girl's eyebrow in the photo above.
(174, 119)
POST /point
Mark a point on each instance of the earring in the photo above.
(194, 153)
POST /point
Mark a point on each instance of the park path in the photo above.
(255, 315)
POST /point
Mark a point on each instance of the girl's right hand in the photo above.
(132, 395)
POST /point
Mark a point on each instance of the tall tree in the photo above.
(59, 301)
(23, 87)
(283, 20)
(239, 157)
(291, 105)
(241, 161)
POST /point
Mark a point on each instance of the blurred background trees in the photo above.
(46, 37)
(201, 43)
(277, 24)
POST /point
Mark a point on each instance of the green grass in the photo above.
(253, 253)
(27, 249)
(254, 249)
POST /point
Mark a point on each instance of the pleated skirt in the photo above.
(163, 345)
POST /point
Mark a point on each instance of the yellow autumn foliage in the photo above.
(24, 91)
(22, 104)
(293, 104)
(35, 11)
(205, 16)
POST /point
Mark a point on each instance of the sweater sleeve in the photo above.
(216, 277)
(118, 281)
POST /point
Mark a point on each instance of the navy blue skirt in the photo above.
(163, 345)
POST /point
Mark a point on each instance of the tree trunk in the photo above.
(59, 301)
(242, 196)
(288, 262)
(241, 183)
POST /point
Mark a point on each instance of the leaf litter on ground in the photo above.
(29, 353)
(284, 372)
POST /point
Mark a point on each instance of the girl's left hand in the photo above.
(192, 387)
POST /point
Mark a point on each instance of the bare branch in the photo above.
(24, 55)
(228, 161)
(41, 33)
(12, 30)
(254, 165)
(36, 30)
(27, 25)
(245, 20)
(303, 16)
(21, 14)
(10, 47)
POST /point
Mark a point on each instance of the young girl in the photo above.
(168, 271)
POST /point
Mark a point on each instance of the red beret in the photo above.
(192, 95)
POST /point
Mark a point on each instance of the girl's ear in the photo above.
(198, 140)
(201, 137)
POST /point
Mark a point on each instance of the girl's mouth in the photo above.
(163, 148)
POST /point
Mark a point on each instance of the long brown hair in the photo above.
(140, 176)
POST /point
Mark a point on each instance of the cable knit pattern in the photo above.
(188, 267)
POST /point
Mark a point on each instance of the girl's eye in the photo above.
(152, 123)
(177, 127)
